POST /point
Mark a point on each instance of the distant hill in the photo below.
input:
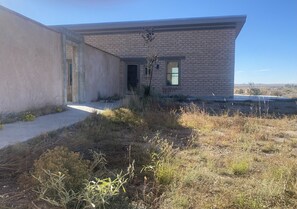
(264, 85)
(284, 90)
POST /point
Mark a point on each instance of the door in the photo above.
(132, 77)
(69, 82)
(71, 72)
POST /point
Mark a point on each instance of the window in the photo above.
(172, 73)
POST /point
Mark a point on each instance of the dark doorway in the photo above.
(132, 78)
(69, 82)
(71, 88)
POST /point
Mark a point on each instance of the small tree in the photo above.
(253, 90)
(148, 36)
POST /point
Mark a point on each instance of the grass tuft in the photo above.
(240, 167)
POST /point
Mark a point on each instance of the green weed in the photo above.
(28, 116)
(240, 167)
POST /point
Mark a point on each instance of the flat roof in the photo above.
(200, 23)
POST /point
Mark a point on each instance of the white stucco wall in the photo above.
(102, 74)
(31, 74)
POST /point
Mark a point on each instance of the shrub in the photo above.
(28, 116)
(194, 117)
(253, 90)
(97, 127)
(63, 180)
(59, 109)
(123, 116)
(239, 91)
(52, 189)
(95, 193)
(61, 160)
(133, 102)
(161, 119)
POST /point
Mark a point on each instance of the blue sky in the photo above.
(266, 48)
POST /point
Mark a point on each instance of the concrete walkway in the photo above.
(257, 98)
(22, 131)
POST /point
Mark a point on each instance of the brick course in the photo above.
(208, 67)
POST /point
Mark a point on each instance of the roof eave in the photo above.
(236, 22)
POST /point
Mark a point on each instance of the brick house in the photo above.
(52, 65)
(195, 55)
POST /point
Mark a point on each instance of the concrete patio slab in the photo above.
(21, 131)
(257, 98)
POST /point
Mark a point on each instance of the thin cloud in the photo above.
(96, 2)
(239, 71)
(264, 70)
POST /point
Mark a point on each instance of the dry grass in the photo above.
(240, 162)
(192, 159)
